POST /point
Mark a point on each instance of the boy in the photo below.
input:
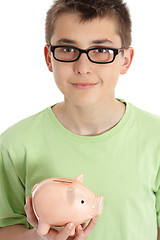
(113, 143)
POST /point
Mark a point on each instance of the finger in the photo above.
(66, 232)
(31, 218)
(52, 234)
(90, 227)
(83, 232)
(79, 233)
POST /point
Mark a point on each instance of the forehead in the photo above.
(69, 26)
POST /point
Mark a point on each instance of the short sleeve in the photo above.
(157, 194)
(158, 206)
(12, 192)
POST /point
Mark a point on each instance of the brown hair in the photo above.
(90, 9)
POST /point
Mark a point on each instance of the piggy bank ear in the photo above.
(71, 193)
(79, 178)
(35, 186)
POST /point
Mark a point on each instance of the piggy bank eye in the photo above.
(82, 201)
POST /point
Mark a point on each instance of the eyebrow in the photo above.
(65, 40)
(102, 41)
(98, 41)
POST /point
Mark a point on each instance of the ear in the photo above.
(71, 195)
(34, 187)
(128, 57)
(47, 54)
(79, 178)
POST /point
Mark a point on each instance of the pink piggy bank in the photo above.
(58, 201)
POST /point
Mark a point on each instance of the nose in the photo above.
(98, 203)
(83, 65)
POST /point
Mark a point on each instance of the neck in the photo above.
(89, 120)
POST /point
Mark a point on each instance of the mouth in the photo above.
(84, 85)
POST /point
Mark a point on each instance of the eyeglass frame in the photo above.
(86, 51)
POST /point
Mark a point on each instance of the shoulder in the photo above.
(22, 130)
(145, 116)
(146, 121)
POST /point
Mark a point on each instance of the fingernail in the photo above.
(80, 227)
(71, 225)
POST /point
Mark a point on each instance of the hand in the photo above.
(81, 233)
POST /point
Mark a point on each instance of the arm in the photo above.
(158, 230)
(17, 232)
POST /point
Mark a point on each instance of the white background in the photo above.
(26, 85)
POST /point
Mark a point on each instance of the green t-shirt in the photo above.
(122, 165)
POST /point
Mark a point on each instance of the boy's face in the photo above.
(69, 31)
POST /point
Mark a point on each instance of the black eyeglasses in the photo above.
(100, 55)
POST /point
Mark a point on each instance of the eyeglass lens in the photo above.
(97, 55)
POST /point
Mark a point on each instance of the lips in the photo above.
(85, 85)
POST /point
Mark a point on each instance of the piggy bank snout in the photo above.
(98, 204)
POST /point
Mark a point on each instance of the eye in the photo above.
(67, 49)
(101, 50)
(82, 201)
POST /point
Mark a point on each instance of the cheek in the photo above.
(109, 76)
(60, 73)
(114, 72)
